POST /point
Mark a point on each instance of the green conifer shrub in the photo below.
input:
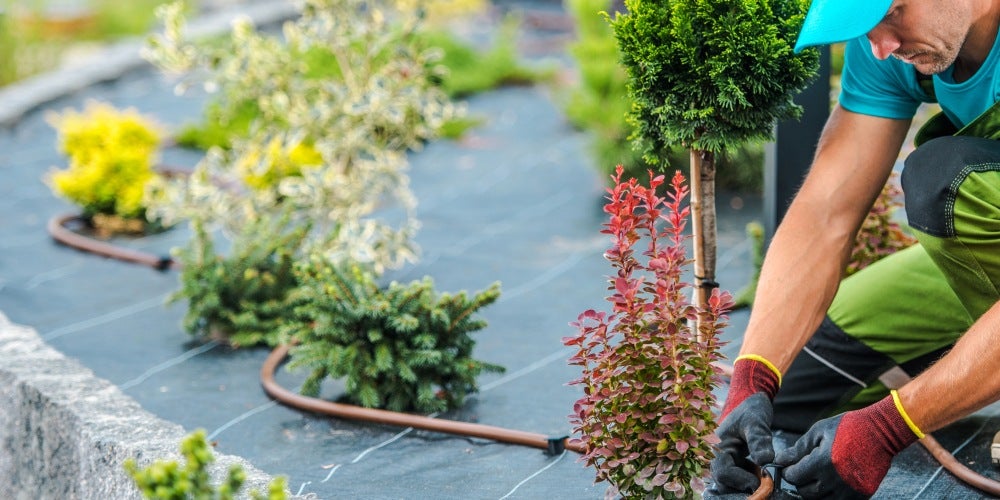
(240, 297)
(401, 348)
(168, 480)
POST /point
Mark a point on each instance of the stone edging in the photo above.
(64, 433)
(22, 97)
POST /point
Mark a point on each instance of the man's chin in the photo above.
(925, 65)
(929, 69)
(926, 69)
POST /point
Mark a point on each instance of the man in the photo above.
(816, 346)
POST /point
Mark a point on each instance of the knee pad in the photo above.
(933, 173)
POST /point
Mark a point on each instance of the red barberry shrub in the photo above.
(645, 420)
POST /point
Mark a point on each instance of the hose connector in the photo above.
(557, 445)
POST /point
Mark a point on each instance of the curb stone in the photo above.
(65, 433)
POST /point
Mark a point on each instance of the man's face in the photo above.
(925, 33)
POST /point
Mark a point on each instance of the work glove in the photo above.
(745, 430)
(847, 456)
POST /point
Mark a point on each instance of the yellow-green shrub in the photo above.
(169, 480)
(111, 153)
(263, 167)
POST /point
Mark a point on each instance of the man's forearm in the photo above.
(961, 382)
(809, 252)
(800, 276)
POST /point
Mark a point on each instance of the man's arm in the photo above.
(801, 274)
(961, 382)
(810, 249)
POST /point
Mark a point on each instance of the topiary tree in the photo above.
(710, 75)
(598, 102)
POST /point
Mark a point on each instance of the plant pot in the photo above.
(108, 225)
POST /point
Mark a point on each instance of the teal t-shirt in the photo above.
(889, 88)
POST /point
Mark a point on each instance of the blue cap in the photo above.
(831, 21)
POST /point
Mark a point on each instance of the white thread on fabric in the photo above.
(529, 478)
(543, 278)
(244, 416)
(106, 318)
(560, 354)
(169, 363)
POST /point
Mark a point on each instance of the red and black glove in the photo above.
(848, 455)
(745, 429)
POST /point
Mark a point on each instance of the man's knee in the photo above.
(932, 176)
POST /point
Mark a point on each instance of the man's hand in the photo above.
(745, 431)
(847, 456)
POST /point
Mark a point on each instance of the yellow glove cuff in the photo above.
(764, 361)
(906, 418)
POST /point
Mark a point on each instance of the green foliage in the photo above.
(219, 125)
(600, 102)
(755, 233)
(167, 480)
(464, 70)
(9, 48)
(240, 298)
(645, 417)
(711, 74)
(370, 102)
(402, 348)
(114, 19)
(837, 59)
(111, 154)
(456, 128)
(470, 70)
(33, 42)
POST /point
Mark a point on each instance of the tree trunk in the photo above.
(703, 226)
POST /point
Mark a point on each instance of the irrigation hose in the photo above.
(57, 229)
(963, 473)
(553, 445)
(59, 232)
(948, 461)
(766, 488)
